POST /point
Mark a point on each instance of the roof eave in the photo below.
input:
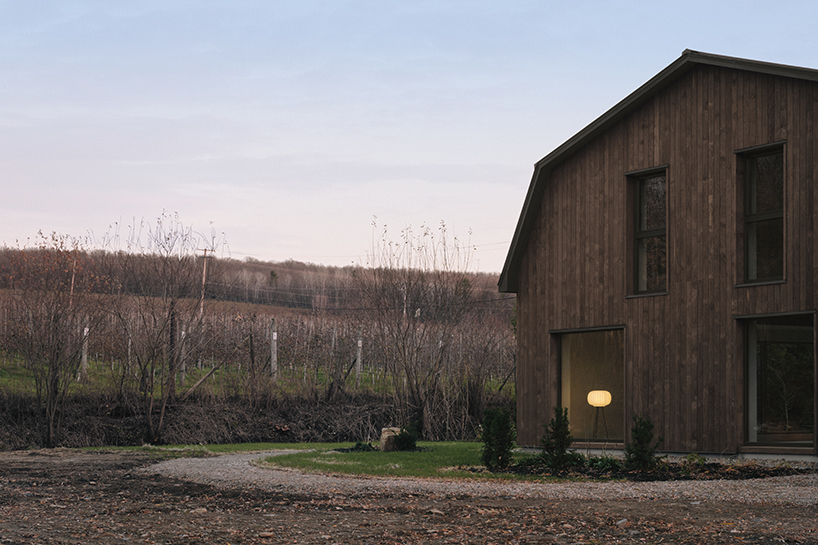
(508, 278)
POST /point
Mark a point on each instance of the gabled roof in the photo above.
(509, 278)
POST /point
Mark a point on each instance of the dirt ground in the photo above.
(66, 496)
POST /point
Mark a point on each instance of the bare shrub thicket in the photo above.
(49, 310)
(420, 303)
(167, 328)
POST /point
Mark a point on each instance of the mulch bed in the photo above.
(665, 471)
(669, 471)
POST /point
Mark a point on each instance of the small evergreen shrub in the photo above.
(498, 438)
(407, 439)
(363, 447)
(640, 453)
(556, 441)
(604, 463)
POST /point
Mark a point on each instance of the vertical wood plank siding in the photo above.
(684, 358)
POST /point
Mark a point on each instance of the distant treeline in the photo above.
(289, 284)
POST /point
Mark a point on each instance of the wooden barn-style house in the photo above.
(665, 265)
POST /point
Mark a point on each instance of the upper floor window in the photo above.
(764, 215)
(650, 233)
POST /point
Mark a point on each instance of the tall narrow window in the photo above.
(650, 244)
(780, 381)
(764, 216)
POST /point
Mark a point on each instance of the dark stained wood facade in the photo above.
(571, 263)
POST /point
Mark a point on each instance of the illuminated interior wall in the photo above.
(594, 361)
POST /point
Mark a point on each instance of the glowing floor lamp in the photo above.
(599, 399)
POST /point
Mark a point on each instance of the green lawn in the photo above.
(433, 459)
(449, 459)
(249, 447)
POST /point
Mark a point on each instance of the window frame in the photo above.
(749, 220)
(752, 365)
(635, 180)
(618, 417)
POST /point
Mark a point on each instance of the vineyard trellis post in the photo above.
(359, 360)
(273, 349)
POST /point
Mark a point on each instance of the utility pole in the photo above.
(201, 300)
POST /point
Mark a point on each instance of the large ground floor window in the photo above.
(594, 362)
(780, 381)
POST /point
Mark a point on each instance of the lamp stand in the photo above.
(596, 422)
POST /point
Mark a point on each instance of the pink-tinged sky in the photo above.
(288, 125)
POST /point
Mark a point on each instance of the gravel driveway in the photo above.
(85, 497)
(236, 470)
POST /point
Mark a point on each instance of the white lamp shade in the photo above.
(599, 398)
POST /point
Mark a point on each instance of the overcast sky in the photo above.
(289, 126)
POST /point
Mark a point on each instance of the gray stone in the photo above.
(388, 439)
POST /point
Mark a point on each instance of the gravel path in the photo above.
(236, 471)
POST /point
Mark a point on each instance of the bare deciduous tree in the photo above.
(159, 309)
